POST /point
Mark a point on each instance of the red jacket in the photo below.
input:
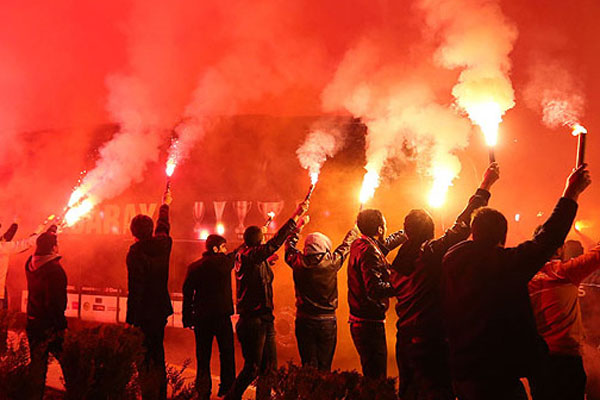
(553, 293)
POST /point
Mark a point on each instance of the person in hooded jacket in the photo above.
(46, 305)
(315, 282)
(369, 290)
(148, 300)
(207, 309)
(421, 350)
(254, 286)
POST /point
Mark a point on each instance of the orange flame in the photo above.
(173, 158)
(80, 210)
(442, 180)
(488, 117)
(370, 183)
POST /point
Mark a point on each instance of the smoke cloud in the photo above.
(478, 38)
(401, 111)
(553, 91)
(319, 145)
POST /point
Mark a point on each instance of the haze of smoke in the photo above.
(553, 91)
(319, 145)
(398, 107)
(252, 67)
(477, 37)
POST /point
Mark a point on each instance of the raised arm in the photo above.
(533, 254)
(462, 226)
(18, 246)
(578, 268)
(293, 256)
(395, 240)
(341, 252)
(262, 252)
(162, 224)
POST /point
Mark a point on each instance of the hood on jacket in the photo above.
(37, 262)
(316, 243)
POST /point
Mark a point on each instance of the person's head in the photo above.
(142, 227)
(253, 236)
(317, 243)
(489, 227)
(419, 226)
(216, 244)
(47, 242)
(571, 249)
(372, 223)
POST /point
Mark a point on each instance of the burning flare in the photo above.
(314, 178)
(370, 183)
(488, 117)
(78, 211)
(578, 129)
(442, 180)
(173, 158)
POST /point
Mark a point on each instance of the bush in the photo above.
(299, 383)
(99, 362)
(14, 361)
(180, 389)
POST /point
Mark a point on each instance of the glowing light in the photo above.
(370, 183)
(173, 157)
(203, 234)
(442, 180)
(220, 229)
(517, 217)
(488, 117)
(578, 130)
(314, 178)
(581, 225)
(75, 213)
(271, 214)
(76, 196)
(171, 164)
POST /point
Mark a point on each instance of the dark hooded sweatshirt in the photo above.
(148, 275)
(489, 321)
(254, 276)
(417, 272)
(207, 287)
(315, 273)
(47, 287)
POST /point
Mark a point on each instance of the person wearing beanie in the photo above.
(207, 309)
(7, 249)
(315, 283)
(46, 304)
(148, 300)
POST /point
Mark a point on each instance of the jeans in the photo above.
(257, 337)
(152, 372)
(42, 342)
(496, 388)
(205, 330)
(423, 369)
(316, 341)
(561, 377)
(369, 340)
